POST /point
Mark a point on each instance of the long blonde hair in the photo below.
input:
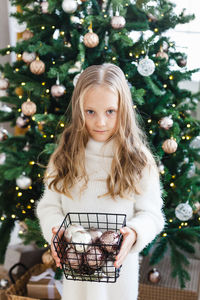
(66, 166)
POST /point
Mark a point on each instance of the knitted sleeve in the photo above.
(49, 212)
(148, 220)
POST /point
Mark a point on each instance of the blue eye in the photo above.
(110, 111)
(90, 112)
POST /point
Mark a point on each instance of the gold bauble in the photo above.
(47, 258)
(29, 108)
(169, 146)
(91, 40)
(19, 91)
(27, 34)
(37, 67)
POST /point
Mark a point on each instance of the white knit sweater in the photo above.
(144, 215)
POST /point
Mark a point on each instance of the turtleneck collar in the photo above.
(100, 148)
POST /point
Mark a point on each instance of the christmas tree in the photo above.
(59, 40)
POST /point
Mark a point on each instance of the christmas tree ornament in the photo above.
(4, 83)
(166, 123)
(47, 258)
(5, 108)
(69, 6)
(3, 93)
(196, 207)
(56, 34)
(183, 212)
(29, 108)
(2, 158)
(26, 35)
(169, 146)
(82, 239)
(26, 147)
(161, 167)
(154, 276)
(165, 46)
(146, 67)
(37, 67)
(19, 27)
(71, 229)
(28, 57)
(22, 121)
(162, 54)
(75, 20)
(19, 91)
(182, 62)
(23, 182)
(57, 90)
(44, 7)
(195, 143)
(90, 39)
(118, 22)
(192, 171)
(75, 80)
(3, 134)
(75, 68)
(152, 18)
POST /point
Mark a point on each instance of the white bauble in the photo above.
(28, 57)
(44, 7)
(23, 182)
(71, 230)
(81, 240)
(166, 123)
(146, 67)
(57, 90)
(195, 143)
(183, 212)
(69, 6)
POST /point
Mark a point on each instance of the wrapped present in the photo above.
(44, 286)
(29, 255)
(167, 287)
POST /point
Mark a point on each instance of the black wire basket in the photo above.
(92, 260)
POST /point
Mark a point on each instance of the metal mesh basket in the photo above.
(90, 261)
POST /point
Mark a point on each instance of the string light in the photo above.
(47, 91)
(173, 176)
(17, 188)
(13, 216)
(31, 162)
(172, 184)
(2, 218)
(105, 47)
(164, 234)
(23, 211)
(23, 83)
(17, 70)
(188, 137)
(30, 187)
(62, 33)
(171, 77)
(173, 105)
(44, 136)
(149, 121)
(188, 125)
(32, 200)
(170, 220)
(53, 62)
(155, 29)
(20, 97)
(19, 194)
(114, 58)
(105, 16)
(20, 232)
(142, 52)
(156, 64)
(38, 175)
(29, 206)
(150, 131)
(179, 227)
(183, 137)
(130, 53)
(53, 27)
(7, 52)
(43, 83)
(165, 86)
(19, 55)
(43, 27)
(45, 245)
(33, 118)
(62, 124)
(137, 56)
(52, 136)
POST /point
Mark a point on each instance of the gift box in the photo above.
(44, 286)
(29, 255)
(168, 287)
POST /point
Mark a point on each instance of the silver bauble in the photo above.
(4, 83)
(118, 22)
(57, 90)
(69, 6)
(195, 143)
(166, 123)
(146, 67)
(28, 57)
(23, 182)
(183, 212)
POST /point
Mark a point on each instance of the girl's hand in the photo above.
(129, 238)
(53, 250)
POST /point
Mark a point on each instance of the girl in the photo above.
(103, 164)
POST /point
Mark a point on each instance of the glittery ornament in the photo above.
(154, 276)
(166, 123)
(37, 67)
(118, 22)
(28, 57)
(4, 83)
(162, 54)
(27, 34)
(29, 108)
(3, 134)
(91, 40)
(44, 7)
(183, 212)
(19, 91)
(81, 239)
(2, 158)
(182, 62)
(69, 6)
(23, 182)
(47, 258)
(146, 67)
(169, 146)
(195, 143)
(22, 121)
(57, 90)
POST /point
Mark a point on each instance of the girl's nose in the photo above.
(100, 121)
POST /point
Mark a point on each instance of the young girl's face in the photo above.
(100, 106)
